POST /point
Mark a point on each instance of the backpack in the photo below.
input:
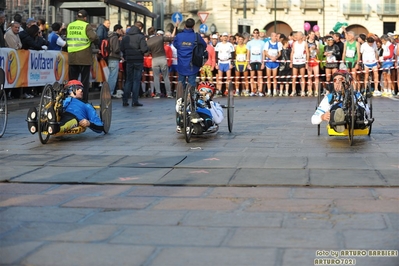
(200, 54)
(105, 48)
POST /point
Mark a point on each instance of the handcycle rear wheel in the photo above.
(351, 116)
(230, 107)
(46, 101)
(3, 104)
(317, 105)
(188, 109)
(106, 106)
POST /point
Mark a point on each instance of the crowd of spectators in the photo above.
(300, 64)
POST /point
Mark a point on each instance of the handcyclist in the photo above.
(332, 107)
(75, 113)
(209, 114)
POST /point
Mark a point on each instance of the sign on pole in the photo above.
(177, 17)
(203, 16)
(203, 28)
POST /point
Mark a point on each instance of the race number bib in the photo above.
(272, 52)
(224, 56)
(241, 57)
(255, 51)
(350, 53)
(331, 59)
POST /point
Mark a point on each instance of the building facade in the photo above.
(362, 16)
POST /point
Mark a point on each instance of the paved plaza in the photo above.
(272, 192)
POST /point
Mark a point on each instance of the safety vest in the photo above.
(77, 39)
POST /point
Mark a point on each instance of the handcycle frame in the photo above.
(54, 95)
(3, 104)
(190, 97)
(350, 103)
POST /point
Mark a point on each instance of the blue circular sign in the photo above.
(203, 28)
(177, 17)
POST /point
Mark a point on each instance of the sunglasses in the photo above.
(339, 80)
(206, 90)
(75, 87)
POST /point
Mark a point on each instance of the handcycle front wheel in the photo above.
(370, 103)
(188, 109)
(3, 112)
(3, 104)
(230, 107)
(351, 116)
(46, 101)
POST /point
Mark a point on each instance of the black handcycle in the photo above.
(354, 122)
(53, 96)
(189, 106)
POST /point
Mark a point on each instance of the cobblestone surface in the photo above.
(271, 193)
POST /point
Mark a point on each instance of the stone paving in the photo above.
(270, 193)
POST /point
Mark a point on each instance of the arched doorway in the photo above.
(357, 29)
(281, 27)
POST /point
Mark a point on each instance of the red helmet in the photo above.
(206, 86)
(73, 85)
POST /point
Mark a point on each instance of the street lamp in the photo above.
(275, 9)
(244, 28)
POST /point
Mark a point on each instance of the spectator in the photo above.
(299, 62)
(225, 53)
(241, 65)
(284, 68)
(54, 39)
(31, 39)
(41, 22)
(271, 51)
(155, 45)
(18, 18)
(102, 31)
(133, 47)
(114, 58)
(331, 51)
(173, 75)
(313, 64)
(12, 36)
(2, 21)
(256, 66)
(207, 69)
(351, 56)
(80, 35)
(184, 43)
(370, 62)
(387, 59)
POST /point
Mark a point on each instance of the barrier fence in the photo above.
(30, 68)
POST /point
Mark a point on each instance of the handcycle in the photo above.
(52, 97)
(355, 122)
(189, 106)
(3, 104)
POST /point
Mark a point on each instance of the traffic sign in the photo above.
(245, 22)
(203, 16)
(203, 28)
(177, 17)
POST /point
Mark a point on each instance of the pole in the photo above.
(275, 15)
(244, 28)
(30, 8)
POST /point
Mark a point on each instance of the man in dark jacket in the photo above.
(184, 44)
(133, 47)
